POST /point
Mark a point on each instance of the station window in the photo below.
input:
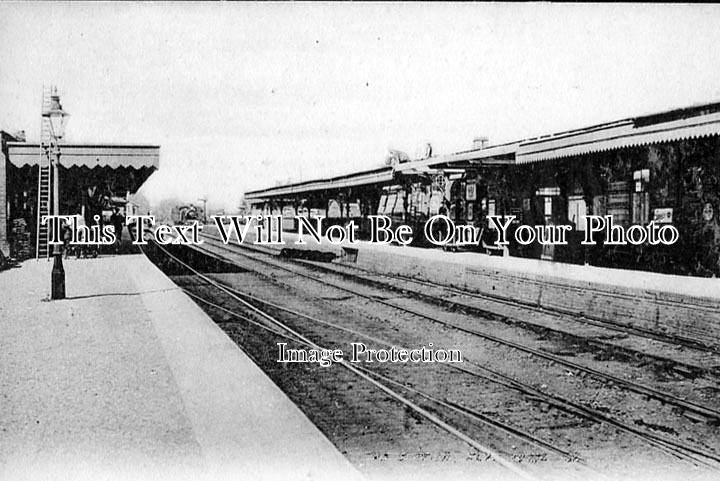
(381, 204)
(390, 204)
(399, 208)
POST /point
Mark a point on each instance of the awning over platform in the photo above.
(616, 135)
(501, 154)
(684, 123)
(376, 176)
(21, 154)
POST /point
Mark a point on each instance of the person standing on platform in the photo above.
(80, 249)
(66, 238)
(117, 220)
(95, 202)
(441, 229)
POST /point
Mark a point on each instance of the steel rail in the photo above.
(690, 406)
(579, 318)
(398, 397)
(574, 317)
(454, 406)
(693, 454)
(668, 446)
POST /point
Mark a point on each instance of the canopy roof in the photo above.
(89, 155)
(671, 125)
(375, 176)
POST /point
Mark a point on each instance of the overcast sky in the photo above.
(240, 96)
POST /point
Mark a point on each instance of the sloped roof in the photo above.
(621, 135)
(688, 122)
(366, 177)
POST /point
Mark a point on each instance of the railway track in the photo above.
(355, 272)
(667, 349)
(258, 315)
(710, 414)
(669, 446)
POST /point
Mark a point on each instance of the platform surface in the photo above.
(128, 379)
(564, 272)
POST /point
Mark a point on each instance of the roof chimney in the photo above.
(480, 143)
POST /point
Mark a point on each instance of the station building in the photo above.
(92, 178)
(663, 167)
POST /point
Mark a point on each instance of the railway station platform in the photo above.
(684, 307)
(128, 379)
(681, 306)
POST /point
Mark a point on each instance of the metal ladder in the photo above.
(44, 181)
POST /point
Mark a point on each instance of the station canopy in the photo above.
(367, 177)
(672, 125)
(129, 164)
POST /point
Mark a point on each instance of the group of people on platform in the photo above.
(117, 220)
(96, 200)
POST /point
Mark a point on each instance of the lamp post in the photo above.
(57, 119)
